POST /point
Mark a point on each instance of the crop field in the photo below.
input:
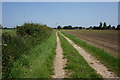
(104, 39)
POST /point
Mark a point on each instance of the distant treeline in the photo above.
(100, 27)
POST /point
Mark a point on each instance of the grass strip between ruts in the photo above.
(76, 66)
(111, 62)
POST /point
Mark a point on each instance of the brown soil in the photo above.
(105, 39)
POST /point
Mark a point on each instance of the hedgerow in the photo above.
(29, 35)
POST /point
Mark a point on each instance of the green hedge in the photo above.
(29, 35)
(12, 48)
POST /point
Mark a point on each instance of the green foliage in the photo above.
(118, 27)
(113, 27)
(104, 25)
(67, 27)
(59, 27)
(77, 67)
(33, 30)
(33, 33)
(106, 58)
(0, 26)
(38, 63)
(109, 27)
(100, 26)
(14, 46)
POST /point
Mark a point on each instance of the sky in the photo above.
(0, 12)
(83, 14)
(60, 0)
(119, 12)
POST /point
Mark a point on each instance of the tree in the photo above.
(113, 27)
(80, 27)
(109, 27)
(45, 25)
(0, 26)
(90, 27)
(59, 27)
(75, 27)
(5, 27)
(100, 26)
(83, 28)
(118, 27)
(95, 28)
(104, 25)
(67, 27)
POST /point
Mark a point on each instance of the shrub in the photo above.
(28, 36)
(12, 48)
(31, 29)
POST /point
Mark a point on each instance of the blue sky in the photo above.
(0, 12)
(63, 13)
(60, 0)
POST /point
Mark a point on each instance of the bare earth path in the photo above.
(59, 62)
(93, 62)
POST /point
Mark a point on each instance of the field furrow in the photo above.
(104, 39)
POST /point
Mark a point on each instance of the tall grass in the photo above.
(106, 58)
(12, 48)
(76, 67)
(38, 63)
(27, 37)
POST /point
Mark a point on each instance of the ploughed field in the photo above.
(105, 39)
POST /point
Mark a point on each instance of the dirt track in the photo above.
(59, 62)
(107, 39)
(93, 62)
